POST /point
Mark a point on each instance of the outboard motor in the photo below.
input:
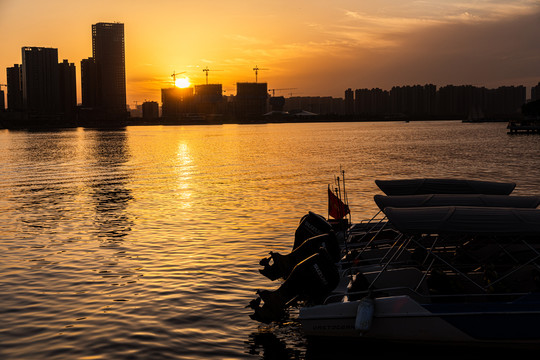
(310, 225)
(280, 266)
(311, 280)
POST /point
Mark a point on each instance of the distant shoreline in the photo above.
(19, 124)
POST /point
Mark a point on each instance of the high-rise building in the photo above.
(371, 102)
(14, 88)
(89, 90)
(150, 110)
(209, 99)
(349, 102)
(2, 101)
(109, 56)
(251, 100)
(68, 88)
(417, 100)
(40, 80)
(535, 92)
(177, 102)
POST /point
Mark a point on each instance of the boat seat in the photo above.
(375, 255)
(408, 277)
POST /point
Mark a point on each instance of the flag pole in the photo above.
(345, 193)
(328, 217)
(339, 188)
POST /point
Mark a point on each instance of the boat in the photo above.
(438, 268)
(529, 123)
(476, 282)
(478, 200)
(444, 186)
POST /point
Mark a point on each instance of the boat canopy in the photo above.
(465, 220)
(482, 200)
(444, 186)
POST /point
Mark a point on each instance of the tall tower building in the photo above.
(109, 56)
(14, 88)
(68, 88)
(89, 90)
(40, 80)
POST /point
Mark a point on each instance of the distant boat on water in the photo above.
(530, 123)
(475, 115)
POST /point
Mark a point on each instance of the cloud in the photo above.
(471, 52)
(408, 15)
(242, 40)
(490, 10)
(471, 47)
(461, 46)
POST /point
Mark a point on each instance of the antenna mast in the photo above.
(256, 69)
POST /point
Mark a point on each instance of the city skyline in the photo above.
(316, 48)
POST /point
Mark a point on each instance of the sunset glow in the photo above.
(317, 48)
(182, 82)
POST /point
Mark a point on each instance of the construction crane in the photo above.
(174, 75)
(256, 69)
(274, 90)
(206, 70)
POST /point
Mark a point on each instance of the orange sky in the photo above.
(315, 47)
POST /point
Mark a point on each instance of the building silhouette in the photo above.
(109, 56)
(177, 102)
(535, 92)
(89, 77)
(370, 102)
(150, 110)
(40, 87)
(68, 89)
(206, 104)
(417, 100)
(250, 102)
(465, 102)
(349, 102)
(14, 88)
(277, 103)
(325, 105)
(41, 91)
(209, 99)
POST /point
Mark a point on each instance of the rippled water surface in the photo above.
(144, 243)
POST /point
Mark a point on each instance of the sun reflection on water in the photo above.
(183, 170)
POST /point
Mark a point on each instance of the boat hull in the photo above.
(401, 318)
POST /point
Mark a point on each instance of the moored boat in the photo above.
(444, 186)
(472, 284)
(438, 268)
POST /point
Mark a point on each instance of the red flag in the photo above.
(336, 208)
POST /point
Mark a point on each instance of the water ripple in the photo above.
(144, 243)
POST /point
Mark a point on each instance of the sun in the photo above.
(182, 82)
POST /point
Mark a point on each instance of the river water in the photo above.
(143, 243)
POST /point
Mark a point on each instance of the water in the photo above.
(144, 243)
